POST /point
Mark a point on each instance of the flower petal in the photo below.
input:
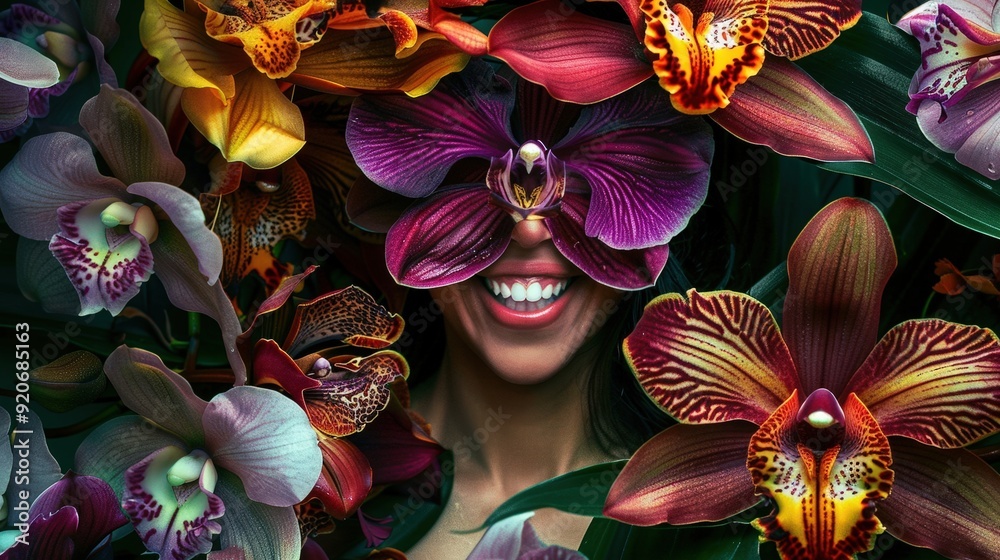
(346, 478)
(933, 381)
(272, 366)
(345, 62)
(349, 315)
(24, 66)
(783, 108)
(34, 185)
(944, 500)
(713, 357)
(341, 407)
(824, 501)
(837, 269)
(6, 456)
(796, 28)
(515, 538)
(965, 127)
(131, 140)
(106, 266)
(265, 439)
(42, 279)
(578, 58)
(13, 105)
(94, 501)
(188, 57)
(447, 238)
(665, 481)
(172, 521)
(258, 126)
(178, 269)
(626, 270)
(119, 443)
(467, 116)
(647, 167)
(156, 393)
(49, 536)
(700, 62)
(258, 530)
(397, 448)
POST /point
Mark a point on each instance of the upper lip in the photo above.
(529, 269)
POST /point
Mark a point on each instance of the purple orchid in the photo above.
(188, 470)
(954, 93)
(514, 538)
(612, 182)
(46, 49)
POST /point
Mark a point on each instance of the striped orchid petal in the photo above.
(701, 57)
(933, 381)
(349, 315)
(824, 468)
(800, 27)
(665, 480)
(837, 269)
(712, 357)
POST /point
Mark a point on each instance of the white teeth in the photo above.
(518, 292)
(496, 288)
(534, 292)
(558, 289)
(547, 292)
(504, 290)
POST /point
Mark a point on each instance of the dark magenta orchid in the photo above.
(729, 60)
(826, 421)
(613, 182)
(187, 470)
(954, 92)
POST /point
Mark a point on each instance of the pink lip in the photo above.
(528, 269)
(523, 320)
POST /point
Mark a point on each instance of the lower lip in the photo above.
(524, 319)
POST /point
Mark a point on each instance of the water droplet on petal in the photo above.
(969, 113)
(991, 168)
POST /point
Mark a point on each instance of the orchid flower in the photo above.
(70, 520)
(954, 92)
(515, 538)
(229, 58)
(43, 51)
(728, 60)
(826, 421)
(613, 183)
(187, 470)
(953, 281)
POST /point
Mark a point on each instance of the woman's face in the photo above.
(527, 314)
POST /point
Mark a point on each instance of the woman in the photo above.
(534, 220)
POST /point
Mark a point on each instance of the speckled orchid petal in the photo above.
(467, 117)
(446, 238)
(701, 58)
(515, 538)
(258, 126)
(646, 164)
(837, 269)
(24, 66)
(33, 186)
(784, 108)
(824, 468)
(265, 439)
(666, 478)
(796, 28)
(955, 55)
(625, 270)
(353, 392)
(106, 265)
(174, 515)
(188, 57)
(712, 357)
(349, 315)
(943, 499)
(268, 30)
(933, 381)
(578, 58)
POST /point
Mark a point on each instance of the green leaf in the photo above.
(870, 67)
(581, 492)
(607, 540)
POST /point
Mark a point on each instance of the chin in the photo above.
(526, 316)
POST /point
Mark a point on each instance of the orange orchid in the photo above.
(236, 59)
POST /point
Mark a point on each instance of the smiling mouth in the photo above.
(527, 294)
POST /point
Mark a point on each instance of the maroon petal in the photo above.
(94, 501)
(626, 270)
(578, 58)
(49, 536)
(346, 478)
(943, 499)
(647, 166)
(447, 238)
(467, 115)
(397, 448)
